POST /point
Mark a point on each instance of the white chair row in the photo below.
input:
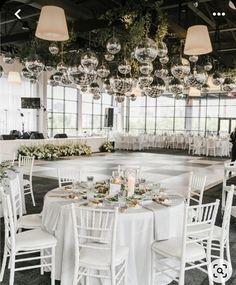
(197, 145)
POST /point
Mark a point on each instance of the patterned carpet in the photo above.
(42, 185)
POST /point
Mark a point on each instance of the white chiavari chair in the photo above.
(188, 252)
(21, 221)
(19, 247)
(196, 188)
(26, 163)
(96, 253)
(68, 176)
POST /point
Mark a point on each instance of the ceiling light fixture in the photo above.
(232, 4)
(197, 41)
(52, 24)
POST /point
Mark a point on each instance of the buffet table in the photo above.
(137, 228)
(11, 146)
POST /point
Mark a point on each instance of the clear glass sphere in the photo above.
(34, 64)
(161, 73)
(175, 86)
(89, 60)
(53, 48)
(62, 67)
(180, 71)
(193, 58)
(162, 49)
(228, 85)
(124, 67)
(103, 71)
(8, 58)
(146, 68)
(109, 57)
(164, 59)
(208, 66)
(52, 82)
(217, 79)
(113, 45)
(147, 51)
(145, 81)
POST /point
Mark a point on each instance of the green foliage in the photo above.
(50, 151)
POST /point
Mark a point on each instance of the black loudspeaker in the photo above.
(15, 133)
(7, 137)
(60, 136)
(36, 136)
(109, 117)
(26, 136)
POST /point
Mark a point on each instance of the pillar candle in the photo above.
(131, 185)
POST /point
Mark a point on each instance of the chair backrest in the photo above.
(200, 227)
(136, 170)
(67, 176)
(94, 228)
(227, 215)
(10, 229)
(196, 188)
(27, 163)
(16, 198)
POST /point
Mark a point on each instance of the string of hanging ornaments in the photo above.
(135, 61)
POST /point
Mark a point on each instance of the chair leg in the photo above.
(12, 269)
(228, 252)
(32, 193)
(125, 273)
(41, 262)
(53, 267)
(4, 261)
(182, 274)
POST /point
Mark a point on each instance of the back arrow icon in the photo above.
(17, 14)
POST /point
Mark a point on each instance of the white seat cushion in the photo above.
(34, 239)
(101, 258)
(173, 247)
(30, 221)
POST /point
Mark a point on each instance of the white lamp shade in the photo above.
(197, 41)
(52, 24)
(14, 77)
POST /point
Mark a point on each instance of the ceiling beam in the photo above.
(223, 30)
(227, 49)
(202, 15)
(172, 6)
(22, 18)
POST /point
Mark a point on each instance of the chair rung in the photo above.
(33, 267)
(33, 258)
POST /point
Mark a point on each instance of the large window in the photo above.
(62, 109)
(93, 111)
(12, 117)
(70, 111)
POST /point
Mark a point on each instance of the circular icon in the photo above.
(220, 270)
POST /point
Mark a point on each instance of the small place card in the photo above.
(114, 189)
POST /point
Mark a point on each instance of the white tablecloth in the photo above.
(11, 146)
(135, 230)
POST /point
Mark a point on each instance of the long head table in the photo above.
(12, 146)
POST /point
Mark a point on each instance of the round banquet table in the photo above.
(137, 229)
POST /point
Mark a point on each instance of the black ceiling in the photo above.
(84, 16)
